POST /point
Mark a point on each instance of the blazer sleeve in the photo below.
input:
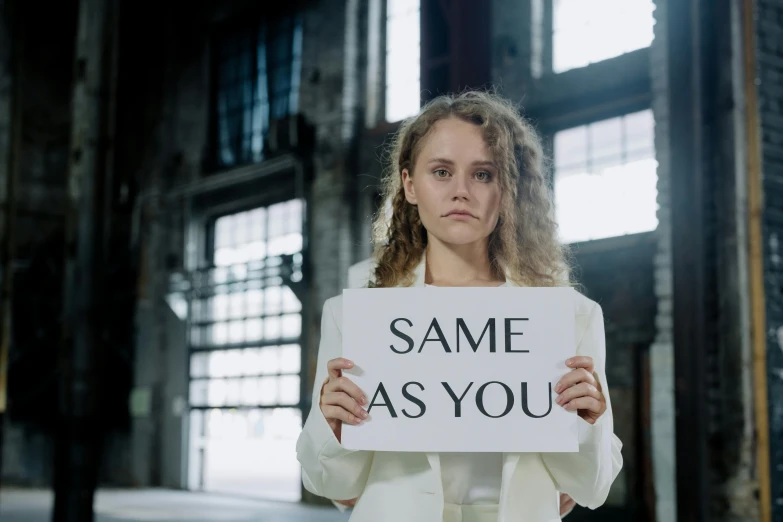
(329, 469)
(587, 475)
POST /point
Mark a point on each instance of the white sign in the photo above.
(460, 369)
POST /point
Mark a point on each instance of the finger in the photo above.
(582, 389)
(581, 361)
(567, 506)
(343, 400)
(575, 377)
(584, 403)
(565, 500)
(335, 366)
(339, 413)
(346, 385)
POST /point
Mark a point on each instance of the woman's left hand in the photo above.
(579, 390)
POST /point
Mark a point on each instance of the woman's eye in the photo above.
(483, 176)
(441, 173)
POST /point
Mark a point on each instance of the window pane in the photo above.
(268, 390)
(219, 307)
(287, 244)
(258, 77)
(606, 143)
(290, 301)
(217, 392)
(198, 393)
(295, 213)
(289, 389)
(270, 360)
(588, 32)
(639, 135)
(571, 150)
(291, 326)
(272, 328)
(219, 333)
(236, 331)
(290, 358)
(254, 329)
(273, 300)
(199, 364)
(611, 190)
(403, 58)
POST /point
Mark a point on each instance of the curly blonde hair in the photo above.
(524, 245)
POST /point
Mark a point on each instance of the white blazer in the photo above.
(407, 487)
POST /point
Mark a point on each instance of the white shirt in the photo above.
(471, 478)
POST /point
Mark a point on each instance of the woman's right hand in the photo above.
(341, 399)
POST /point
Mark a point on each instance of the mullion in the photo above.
(212, 322)
(292, 406)
(239, 346)
(251, 376)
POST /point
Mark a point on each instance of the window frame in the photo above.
(248, 21)
(588, 118)
(546, 33)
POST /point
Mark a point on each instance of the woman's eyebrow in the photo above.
(485, 163)
(477, 163)
(442, 161)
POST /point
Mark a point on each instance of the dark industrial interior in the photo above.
(184, 184)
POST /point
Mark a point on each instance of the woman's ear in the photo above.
(407, 184)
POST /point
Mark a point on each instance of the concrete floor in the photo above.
(22, 505)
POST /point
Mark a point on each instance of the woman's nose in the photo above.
(461, 189)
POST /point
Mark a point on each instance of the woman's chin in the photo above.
(460, 239)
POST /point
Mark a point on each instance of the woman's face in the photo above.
(454, 183)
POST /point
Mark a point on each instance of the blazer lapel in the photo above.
(510, 461)
(434, 460)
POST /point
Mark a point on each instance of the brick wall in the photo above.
(325, 71)
(321, 100)
(619, 276)
(769, 42)
(40, 202)
(512, 37)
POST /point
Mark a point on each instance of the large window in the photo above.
(257, 72)
(403, 59)
(245, 356)
(605, 178)
(589, 31)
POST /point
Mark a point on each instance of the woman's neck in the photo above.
(463, 265)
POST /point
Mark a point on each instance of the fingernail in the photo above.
(364, 414)
(559, 400)
(349, 364)
(362, 400)
(557, 388)
(570, 361)
(568, 406)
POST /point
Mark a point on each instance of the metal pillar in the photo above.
(80, 430)
(689, 141)
(449, 61)
(9, 209)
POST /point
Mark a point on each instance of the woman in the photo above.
(470, 206)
